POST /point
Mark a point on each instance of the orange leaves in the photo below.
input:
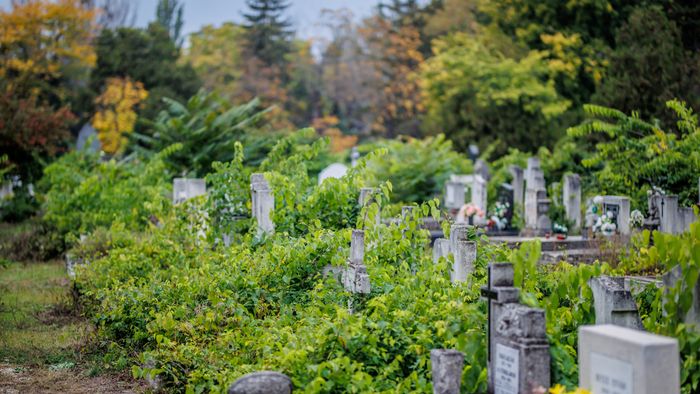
(116, 116)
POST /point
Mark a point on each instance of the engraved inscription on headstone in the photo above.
(506, 371)
(610, 376)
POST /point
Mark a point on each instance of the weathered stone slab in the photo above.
(441, 249)
(447, 370)
(186, 188)
(619, 360)
(518, 183)
(671, 279)
(613, 303)
(265, 382)
(571, 196)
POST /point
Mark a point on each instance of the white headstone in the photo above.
(620, 206)
(463, 253)
(669, 215)
(479, 198)
(518, 184)
(619, 360)
(335, 170)
(186, 188)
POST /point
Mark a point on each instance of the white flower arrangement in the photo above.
(605, 225)
(636, 219)
(560, 229)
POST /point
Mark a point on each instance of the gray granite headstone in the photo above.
(613, 303)
(265, 382)
(521, 362)
(463, 252)
(619, 360)
(441, 249)
(447, 370)
(355, 277)
(186, 188)
(263, 203)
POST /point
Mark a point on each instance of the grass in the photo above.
(37, 324)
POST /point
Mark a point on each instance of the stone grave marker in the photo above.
(186, 188)
(619, 360)
(544, 224)
(441, 249)
(669, 215)
(88, 134)
(355, 277)
(521, 362)
(482, 168)
(335, 170)
(264, 382)
(518, 183)
(571, 196)
(366, 198)
(619, 207)
(518, 360)
(454, 195)
(535, 190)
(613, 303)
(463, 252)
(447, 367)
(479, 198)
(263, 203)
(686, 216)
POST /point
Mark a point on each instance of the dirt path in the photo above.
(45, 347)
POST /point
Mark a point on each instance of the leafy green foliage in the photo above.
(82, 192)
(636, 155)
(417, 169)
(474, 92)
(206, 126)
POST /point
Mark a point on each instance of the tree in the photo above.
(169, 15)
(649, 67)
(215, 54)
(113, 13)
(44, 48)
(116, 115)
(148, 56)
(473, 93)
(268, 35)
(42, 45)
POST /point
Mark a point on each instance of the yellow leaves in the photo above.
(116, 116)
(40, 38)
(559, 389)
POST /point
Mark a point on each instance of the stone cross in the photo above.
(186, 188)
(619, 206)
(619, 360)
(463, 252)
(518, 360)
(265, 382)
(613, 304)
(447, 370)
(355, 277)
(263, 203)
(571, 196)
(518, 184)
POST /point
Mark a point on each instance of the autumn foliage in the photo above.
(116, 112)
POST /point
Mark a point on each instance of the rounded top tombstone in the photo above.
(264, 382)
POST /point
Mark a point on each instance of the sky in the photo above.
(305, 14)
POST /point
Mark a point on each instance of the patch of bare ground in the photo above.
(15, 379)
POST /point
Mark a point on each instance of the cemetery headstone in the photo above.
(521, 362)
(441, 249)
(355, 278)
(335, 170)
(186, 188)
(479, 198)
(544, 224)
(518, 183)
(506, 195)
(571, 195)
(613, 303)
(366, 196)
(535, 189)
(87, 134)
(354, 156)
(686, 216)
(668, 220)
(263, 202)
(619, 207)
(265, 382)
(463, 253)
(447, 370)
(619, 360)
(454, 195)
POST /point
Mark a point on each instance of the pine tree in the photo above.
(169, 15)
(268, 33)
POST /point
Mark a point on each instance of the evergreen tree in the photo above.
(268, 33)
(169, 15)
